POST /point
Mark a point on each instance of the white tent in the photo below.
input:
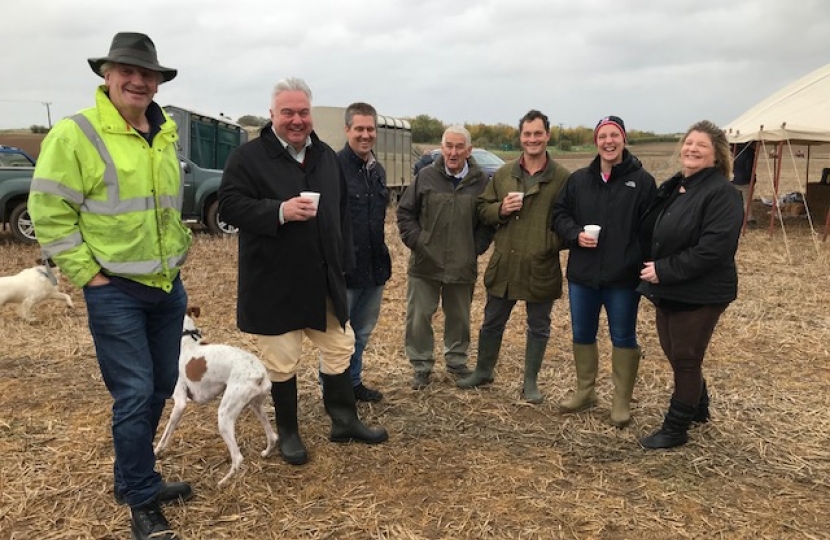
(798, 113)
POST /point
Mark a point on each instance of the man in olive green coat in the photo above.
(525, 261)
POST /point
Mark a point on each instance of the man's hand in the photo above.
(510, 204)
(298, 209)
(98, 280)
(585, 240)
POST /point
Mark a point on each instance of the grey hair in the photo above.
(106, 66)
(458, 130)
(109, 66)
(291, 84)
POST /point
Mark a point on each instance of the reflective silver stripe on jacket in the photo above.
(137, 268)
(45, 185)
(114, 205)
(59, 246)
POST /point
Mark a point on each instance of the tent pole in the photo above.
(776, 210)
(751, 191)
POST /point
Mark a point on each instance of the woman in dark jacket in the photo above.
(691, 233)
(614, 191)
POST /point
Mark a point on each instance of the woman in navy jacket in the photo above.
(691, 236)
(614, 192)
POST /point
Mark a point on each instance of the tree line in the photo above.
(426, 129)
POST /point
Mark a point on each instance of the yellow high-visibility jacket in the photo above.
(103, 198)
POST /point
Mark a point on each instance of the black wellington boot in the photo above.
(702, 412)
(285, 405)
(338, 397)
(675, 425)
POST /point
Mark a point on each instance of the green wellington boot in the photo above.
(586, 362)
(488, 354)
(624, 366)
(534, 354)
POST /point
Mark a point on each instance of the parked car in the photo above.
(199, 206)
(11, 156)
(205, 142)
(16, 168)
(488, 161)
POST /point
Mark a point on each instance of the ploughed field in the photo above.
(459, 464)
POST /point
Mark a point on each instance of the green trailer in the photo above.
(206, 140)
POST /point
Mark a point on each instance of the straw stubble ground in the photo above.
(459, 464)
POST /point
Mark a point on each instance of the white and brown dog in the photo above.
(205, 370)
(32, 286)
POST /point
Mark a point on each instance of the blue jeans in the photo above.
(620, 306)
(137, 344)
(364, 310)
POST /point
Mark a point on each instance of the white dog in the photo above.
(205, 370)
(30, 287)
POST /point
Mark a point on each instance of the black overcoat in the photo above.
(287, 271)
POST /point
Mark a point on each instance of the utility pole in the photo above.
(48, 112)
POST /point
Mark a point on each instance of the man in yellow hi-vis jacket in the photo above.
(106, 204)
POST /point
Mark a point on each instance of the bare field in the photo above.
(30, 142)
(459, 464)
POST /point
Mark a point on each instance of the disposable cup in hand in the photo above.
(592, 231)
(519, 194)
(313, 195)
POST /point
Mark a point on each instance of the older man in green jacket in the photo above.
(438, 220)
(525, 261)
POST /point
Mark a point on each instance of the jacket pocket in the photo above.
(491, 274)
(545, 279)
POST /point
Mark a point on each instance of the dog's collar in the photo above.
(46, 271)
(195, 334)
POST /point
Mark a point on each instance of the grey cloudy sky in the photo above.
(659, 64)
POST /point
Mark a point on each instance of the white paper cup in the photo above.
(313, 195)
(519, 194)
(592, 231)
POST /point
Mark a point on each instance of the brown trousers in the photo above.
(684, 337)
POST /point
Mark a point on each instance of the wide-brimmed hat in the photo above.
(136, 50)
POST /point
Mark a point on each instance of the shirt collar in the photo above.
(299, 156)
(460, 175)
(522, 162)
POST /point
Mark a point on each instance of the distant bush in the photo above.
(564, 145)
(481, 142)
(654, 139)
(252, 121)
(39, 129)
